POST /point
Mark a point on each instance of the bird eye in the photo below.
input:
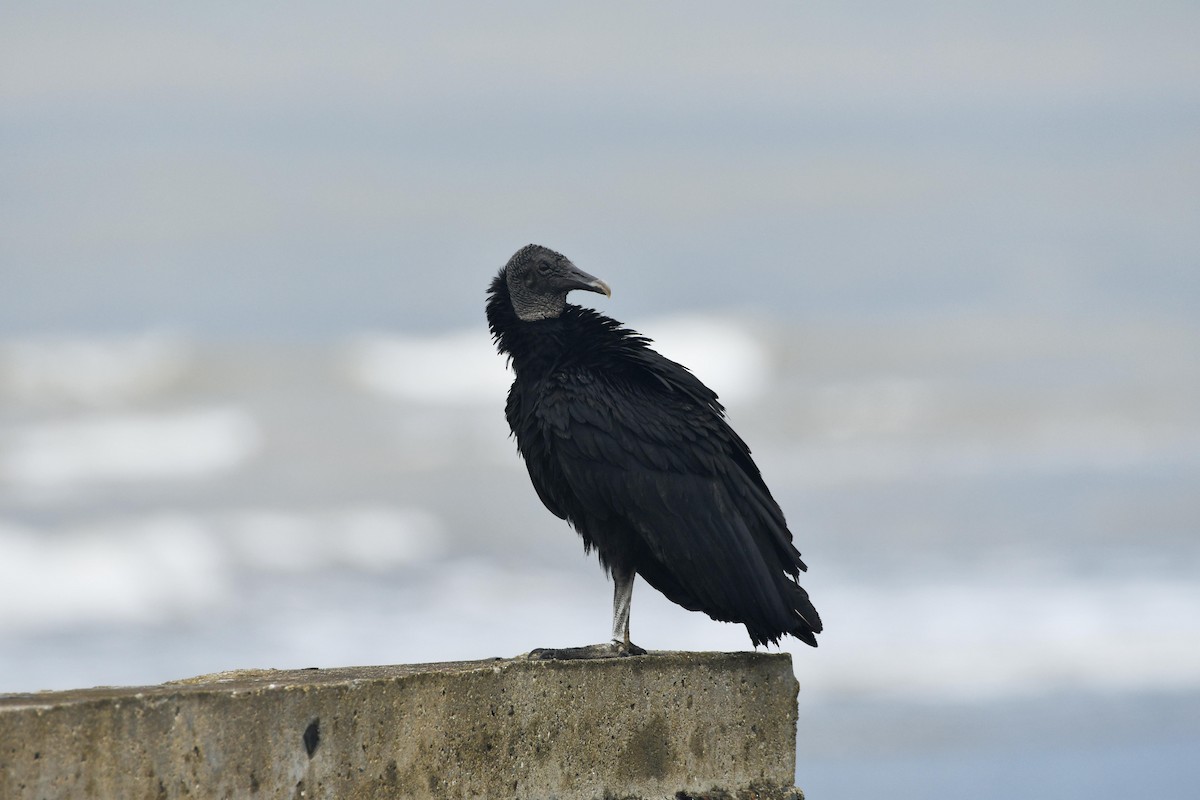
(543, 268)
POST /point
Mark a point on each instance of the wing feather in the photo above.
(666, 463)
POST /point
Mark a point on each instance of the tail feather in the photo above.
(808, 620)
(804, 622)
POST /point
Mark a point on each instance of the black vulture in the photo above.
(635, 453)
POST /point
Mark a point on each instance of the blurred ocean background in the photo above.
(941, 260)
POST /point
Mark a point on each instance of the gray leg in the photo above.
(622, 598)
(620, 644)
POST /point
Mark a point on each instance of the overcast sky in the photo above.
(308, 170)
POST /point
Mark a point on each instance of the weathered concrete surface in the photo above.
(718, 725)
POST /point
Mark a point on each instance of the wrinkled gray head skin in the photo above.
(538, 281)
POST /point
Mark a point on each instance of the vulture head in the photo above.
(538, 280)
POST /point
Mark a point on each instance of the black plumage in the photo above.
(635, 452)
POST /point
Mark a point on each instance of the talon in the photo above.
(606, 650)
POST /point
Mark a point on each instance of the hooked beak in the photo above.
(578, 279)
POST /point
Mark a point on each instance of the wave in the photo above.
(172, 566)
(147, 446)
(938, 632)
(462, 368)
(90, 371)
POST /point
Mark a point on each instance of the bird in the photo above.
(636, 454)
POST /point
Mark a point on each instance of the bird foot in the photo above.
(606, 650)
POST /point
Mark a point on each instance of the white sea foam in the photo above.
(192, 443)
(721, 352)
(460, 368)
(974, 637)
(936, 633)
(90, 371)
(980, 637)
(122, 571)
(372, 539)
(463, 368)
(173, 565)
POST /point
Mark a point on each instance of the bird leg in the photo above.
(620, 644)
(622, 600)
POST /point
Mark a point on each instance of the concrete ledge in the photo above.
(665, 725)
